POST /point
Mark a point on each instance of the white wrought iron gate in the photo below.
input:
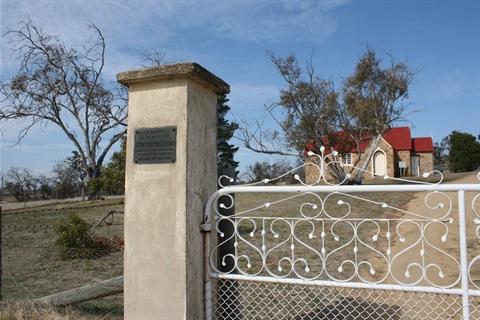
(344, 252)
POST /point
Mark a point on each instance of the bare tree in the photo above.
(153, 57)
(61, 85)
(19, 182)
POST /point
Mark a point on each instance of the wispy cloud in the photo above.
(203, 31)
(147, 23)
(448, 86)
(179, 28)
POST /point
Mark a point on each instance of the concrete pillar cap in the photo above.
(189, 70)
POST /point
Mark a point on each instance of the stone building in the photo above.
(397, 155)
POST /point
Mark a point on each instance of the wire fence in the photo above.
(36, 265)
(246, 299)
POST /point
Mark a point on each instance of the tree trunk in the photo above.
(373, 147)
(89, 292)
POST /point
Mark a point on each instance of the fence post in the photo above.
(228, 304)
(1, 266)
(462, 224)
(170, 174)
(226, 226)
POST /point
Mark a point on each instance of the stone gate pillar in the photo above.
(170, 173)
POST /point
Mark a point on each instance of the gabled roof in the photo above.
(399, 138)
(422, 144)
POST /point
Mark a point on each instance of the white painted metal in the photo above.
(354, 285)
(421, 275)
(463, 254)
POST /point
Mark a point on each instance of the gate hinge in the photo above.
(205, 227)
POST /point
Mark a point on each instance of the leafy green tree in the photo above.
(225, 131)
(69, 176)
(464, 152)
(113, 175)
(440, 154)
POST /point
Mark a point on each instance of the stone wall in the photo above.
(392, 161)
(403, 155)
(426, 162)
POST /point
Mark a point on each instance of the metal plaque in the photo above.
(155, 145)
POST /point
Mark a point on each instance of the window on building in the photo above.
(347, 158)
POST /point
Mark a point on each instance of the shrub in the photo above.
(74, 240)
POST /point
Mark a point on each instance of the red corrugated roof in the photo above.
(422, 144)
(399, 138)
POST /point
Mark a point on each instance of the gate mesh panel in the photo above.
(239, 299)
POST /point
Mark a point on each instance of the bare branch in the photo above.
(64, 86)
(371, 101)
(153, 57)
(259, 139)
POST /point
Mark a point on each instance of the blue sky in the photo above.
(229, 38)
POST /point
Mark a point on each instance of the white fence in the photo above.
(344, 252)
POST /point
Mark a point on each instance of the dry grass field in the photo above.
(32, 267)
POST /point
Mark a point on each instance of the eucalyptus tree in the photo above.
(374, 98)
(310, 107)
(64, 86)
(306, 109)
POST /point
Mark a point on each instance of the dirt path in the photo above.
(439, 243)
(435, 232)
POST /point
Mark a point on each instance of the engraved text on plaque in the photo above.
(155, 145)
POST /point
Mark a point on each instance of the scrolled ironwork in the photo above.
(474, 264)
(351, 235)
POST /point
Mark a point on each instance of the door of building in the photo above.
(415, 161)
(379, 164)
